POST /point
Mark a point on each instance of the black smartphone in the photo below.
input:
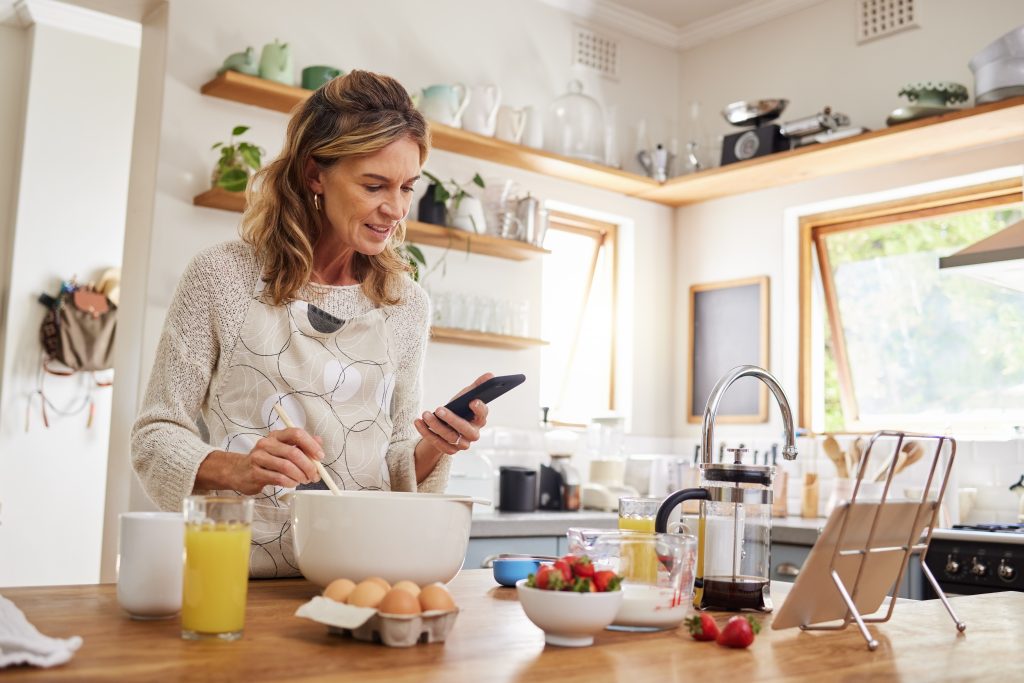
(486, 392)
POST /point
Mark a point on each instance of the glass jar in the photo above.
(575, 126)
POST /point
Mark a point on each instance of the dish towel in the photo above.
(22, 643)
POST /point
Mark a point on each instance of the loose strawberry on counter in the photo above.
(703, 627)
(738, 632)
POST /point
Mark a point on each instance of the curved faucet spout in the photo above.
(707, 435)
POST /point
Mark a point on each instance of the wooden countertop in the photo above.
(493, 641)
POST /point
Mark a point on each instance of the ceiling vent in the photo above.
(595, 52)
(880, 18)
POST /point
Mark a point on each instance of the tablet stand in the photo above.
(915, 542)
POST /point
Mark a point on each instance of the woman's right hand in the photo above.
(282, 458)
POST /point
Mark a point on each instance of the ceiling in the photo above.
(680, 13)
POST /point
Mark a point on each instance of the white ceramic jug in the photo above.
(481, 113)
(444, 103)
(511, 124)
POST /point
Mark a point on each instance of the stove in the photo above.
(977, 558)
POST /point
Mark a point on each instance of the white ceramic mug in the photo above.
(482, 110)
(511, 124)
(150, 556)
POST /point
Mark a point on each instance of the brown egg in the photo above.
(339, 590)
(380, 582)
(409, 587)
(366, 594)
(436, 597)
(399, 601)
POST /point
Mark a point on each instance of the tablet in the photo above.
(815, 599)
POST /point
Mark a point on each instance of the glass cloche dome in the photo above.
(575, 126)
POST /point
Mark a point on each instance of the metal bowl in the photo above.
(753, 112)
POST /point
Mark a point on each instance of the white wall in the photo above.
(751, 234)
(72, 191)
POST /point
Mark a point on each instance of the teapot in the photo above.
(276, 63)
(444, 103)
(481, 115)
(242, 62)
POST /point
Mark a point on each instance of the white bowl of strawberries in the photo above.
(570, 601)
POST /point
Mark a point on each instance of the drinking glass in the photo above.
(638, 513)
(218, 531)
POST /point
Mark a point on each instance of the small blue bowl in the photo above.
(508, 571)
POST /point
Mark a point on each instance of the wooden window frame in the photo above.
(605, 236)
(813, 228)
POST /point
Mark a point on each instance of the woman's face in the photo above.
(364, 198)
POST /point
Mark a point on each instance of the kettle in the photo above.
(735, 519)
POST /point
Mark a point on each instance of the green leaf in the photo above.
(432, 178)
(415, 252)
(441, 194)
(216, 145)
(251, 155)
(478, 180)
(238, 130)
(233, 180)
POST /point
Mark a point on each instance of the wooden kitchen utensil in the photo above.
(835, 454)
(913, 452)
(809, 496)
(856, 455)
(319, 466)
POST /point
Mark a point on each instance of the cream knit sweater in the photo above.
(202, 326)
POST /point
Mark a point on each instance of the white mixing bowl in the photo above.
(358, 534)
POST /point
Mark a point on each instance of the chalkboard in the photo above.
(728, 327)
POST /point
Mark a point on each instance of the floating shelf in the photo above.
(420, 233)
(450, 335)
(974, 127)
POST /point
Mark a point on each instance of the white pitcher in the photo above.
(481, 114)
(511, 124)
(444, 103)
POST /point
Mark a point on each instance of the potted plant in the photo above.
(414, 257)
(465, 211)
(237, 162)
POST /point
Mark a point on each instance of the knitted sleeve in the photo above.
(166, 445)
(414, 319)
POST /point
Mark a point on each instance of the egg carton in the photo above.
(402, 630)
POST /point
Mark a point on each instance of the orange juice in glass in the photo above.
(216, 577)
(638, 563)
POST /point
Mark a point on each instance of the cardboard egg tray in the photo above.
(400, 630)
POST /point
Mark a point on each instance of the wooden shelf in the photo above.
(420, 233)
(975, 127)
(272, 95)
(450, 335)
(978, 126)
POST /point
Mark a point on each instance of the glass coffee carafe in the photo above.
(733, 534)
(735, 521)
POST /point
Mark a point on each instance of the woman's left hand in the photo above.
(449, 433)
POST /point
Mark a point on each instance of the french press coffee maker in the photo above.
(734, 526)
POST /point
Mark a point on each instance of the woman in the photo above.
(313, 312)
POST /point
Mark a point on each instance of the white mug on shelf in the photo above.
(481, 112)
(511, 124)
(150, 556)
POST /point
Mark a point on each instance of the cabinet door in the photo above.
(479, 548)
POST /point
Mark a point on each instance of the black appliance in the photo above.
(517, 489)
(550, 489)
(975, 559)
(756, 142)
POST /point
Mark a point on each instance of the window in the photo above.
(578, 319)
(898, 342)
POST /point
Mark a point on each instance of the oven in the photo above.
(969, 560)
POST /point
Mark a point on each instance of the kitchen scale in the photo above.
(761, 140)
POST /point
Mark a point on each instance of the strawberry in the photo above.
(703, 627)
(565, 567)
(582, 567)
(606, 580)
(549, 578)
(738, 632)
(582, 585)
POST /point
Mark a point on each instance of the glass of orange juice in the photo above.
(637, 514)
(216, 578)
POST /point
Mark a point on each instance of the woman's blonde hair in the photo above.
(351, 116)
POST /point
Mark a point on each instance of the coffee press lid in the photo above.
(741, 474)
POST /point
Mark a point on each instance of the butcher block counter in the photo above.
(493, 641)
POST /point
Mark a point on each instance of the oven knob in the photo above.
(977, 568)
(952, 565)
(1006, 572)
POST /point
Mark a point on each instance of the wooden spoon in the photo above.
(856, 455)
(913, 451)
(319, 466)
(835, 454)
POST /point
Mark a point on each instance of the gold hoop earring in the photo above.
(316, 201)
